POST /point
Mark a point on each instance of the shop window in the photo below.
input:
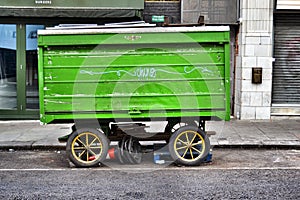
(8, 76)
(32, 99)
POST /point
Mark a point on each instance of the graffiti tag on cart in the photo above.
(144, 73)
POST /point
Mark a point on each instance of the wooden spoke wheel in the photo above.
(87, 147)
(189, 145)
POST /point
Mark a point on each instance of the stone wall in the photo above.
(253, 101)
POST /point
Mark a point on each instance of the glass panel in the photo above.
(8, 81)
(32, 96)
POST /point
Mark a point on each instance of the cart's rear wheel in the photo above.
(87, 147)
(189, 145)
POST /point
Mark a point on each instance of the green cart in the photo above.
(111, 81)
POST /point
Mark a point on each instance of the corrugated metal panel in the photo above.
(286, 72)
(290, 4)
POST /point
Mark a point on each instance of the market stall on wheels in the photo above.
(112, 81)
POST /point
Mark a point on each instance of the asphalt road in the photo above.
(233, 174)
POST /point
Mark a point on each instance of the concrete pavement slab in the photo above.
(31, 135)
(237, 133)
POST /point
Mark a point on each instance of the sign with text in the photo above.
(43, 2)
(74, 4)
(158, 18)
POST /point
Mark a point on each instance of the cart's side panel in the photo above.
(140, 75)
(41, 82)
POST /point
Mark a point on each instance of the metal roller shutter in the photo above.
(286, 71)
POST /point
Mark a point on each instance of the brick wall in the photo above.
(170, 9)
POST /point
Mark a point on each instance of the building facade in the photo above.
(268, 46)
(19, 22)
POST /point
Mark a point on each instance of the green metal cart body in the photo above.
(134, 73)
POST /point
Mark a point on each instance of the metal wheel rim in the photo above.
(186, 146)
(87, 147)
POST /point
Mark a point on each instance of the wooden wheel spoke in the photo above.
(96, 147)
(81, 154)
(185, 143)
(93, 141)
(200, 142)
(87, 139)
(81, 143)
(79, 148)
(191, 152)
(196, 150)
(187, 138)
(92, 152)
(185, 152)
(183, 147)
(87, 155)
(193, 138)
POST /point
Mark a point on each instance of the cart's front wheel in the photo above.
(189, 145)
(87, 147)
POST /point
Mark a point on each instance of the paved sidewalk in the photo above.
(262, 133)
(236, 133)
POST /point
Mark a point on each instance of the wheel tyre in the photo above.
(189, 146)
(87, 147)
(122, 151)
(171, 128)
(135, 151)
(119, 156)
(127, 153)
